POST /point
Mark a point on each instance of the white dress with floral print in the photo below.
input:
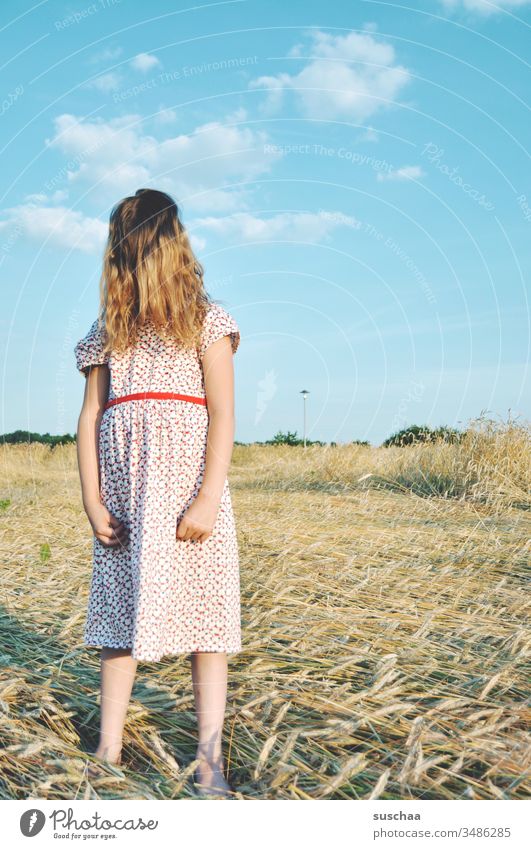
(160, 595)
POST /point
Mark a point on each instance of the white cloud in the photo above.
(36, 198)
(238, 116)
(198, 242)
(166, 116)
(285, 226)
(105, 82)
(406, 172)
(58, 226)
(42, 197)
(106, 55)
(103, 151)
(484, 7)
(370, 135)
(347, 76)
(144, 62)
(119, 157)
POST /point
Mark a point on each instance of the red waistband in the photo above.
(138, 396)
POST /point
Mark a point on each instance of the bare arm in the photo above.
(88, 428)
(219, 387)
(198, 521)
(105, 526)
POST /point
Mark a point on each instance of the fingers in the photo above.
(182, 530)
(107, 541)
(114, 522)
(120, 534)
(110, 543)
(114, 534)
(119, 529)
(188, 530)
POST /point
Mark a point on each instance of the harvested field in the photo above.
(385, 625)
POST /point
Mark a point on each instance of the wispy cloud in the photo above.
(406, 172)
(370, 135)
(109, 54)
(57, 225)
(166, 116)
(119, 156)
(198, 242)
(344, 76)
(41, 197)
(484, 7)
(105, 82)
(144, 62)
(286, 226)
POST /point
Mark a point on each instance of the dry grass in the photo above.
(384, 618)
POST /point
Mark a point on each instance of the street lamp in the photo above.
(304, 393)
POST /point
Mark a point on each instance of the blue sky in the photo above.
(354, 178)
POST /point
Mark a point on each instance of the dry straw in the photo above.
(384, 629)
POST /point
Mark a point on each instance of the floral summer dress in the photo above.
(159, 595)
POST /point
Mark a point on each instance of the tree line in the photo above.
(406, 436)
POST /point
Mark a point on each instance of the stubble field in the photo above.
(385, 612)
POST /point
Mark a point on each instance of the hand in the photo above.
(107, 528)
(198, 521)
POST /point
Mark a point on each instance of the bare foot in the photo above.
(107, 754)
(111, 752)
(209, 779)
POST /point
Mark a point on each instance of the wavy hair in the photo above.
(150, 273)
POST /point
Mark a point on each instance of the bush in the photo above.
(20, 436)
(290, 438)
(422, 433)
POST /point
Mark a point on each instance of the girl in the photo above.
(154, 444)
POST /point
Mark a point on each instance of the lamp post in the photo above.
(304, 393)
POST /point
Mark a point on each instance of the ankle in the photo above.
(109, 751)
(212, 758)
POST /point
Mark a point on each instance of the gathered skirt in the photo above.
(159, 595)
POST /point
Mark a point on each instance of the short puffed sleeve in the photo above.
(89, 350)
(218, 323)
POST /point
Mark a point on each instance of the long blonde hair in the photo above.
(150, 273)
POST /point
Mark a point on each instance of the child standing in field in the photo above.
(154, 444)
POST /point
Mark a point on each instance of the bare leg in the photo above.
(209, 677)
(117, 675)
